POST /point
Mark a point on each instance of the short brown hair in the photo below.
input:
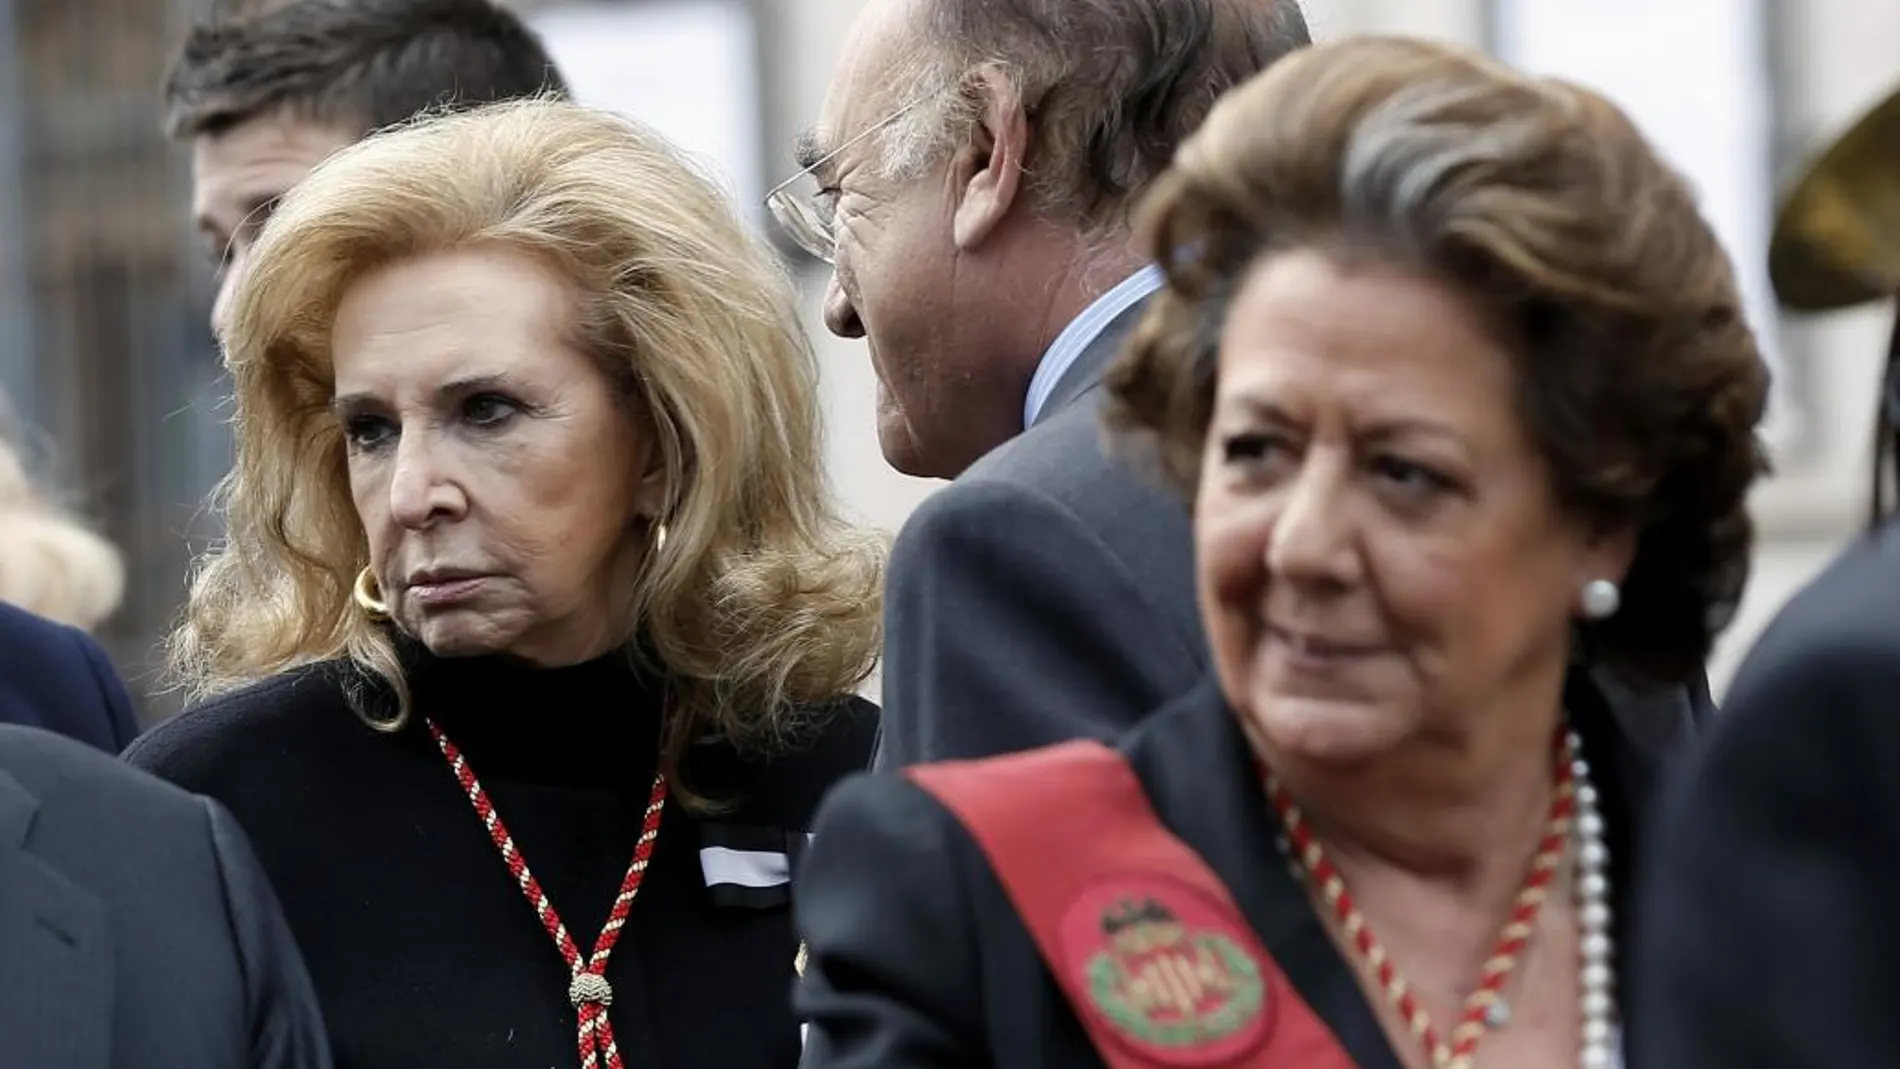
(363, 64)
(1115, 86)
(1543, 205)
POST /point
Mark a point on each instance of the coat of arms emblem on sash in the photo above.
(1166, 984)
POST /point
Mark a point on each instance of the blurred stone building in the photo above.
(103, 350)
(103, 288)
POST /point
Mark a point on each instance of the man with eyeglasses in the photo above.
(970, 181)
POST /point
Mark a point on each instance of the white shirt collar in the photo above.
(1081, 333)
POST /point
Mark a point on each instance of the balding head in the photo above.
(974, 169)
(1113, 86)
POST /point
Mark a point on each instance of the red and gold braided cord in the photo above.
(588, 990)
(1480, 1013)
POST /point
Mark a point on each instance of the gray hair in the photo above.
(1115, 86)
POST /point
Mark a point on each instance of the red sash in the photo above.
(1157, 961)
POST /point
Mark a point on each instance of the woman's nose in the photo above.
(420, 489)
(1313, 536)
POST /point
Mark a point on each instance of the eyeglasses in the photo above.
(808, 212)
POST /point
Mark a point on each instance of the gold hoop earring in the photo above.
(659, 535)
(369, 596)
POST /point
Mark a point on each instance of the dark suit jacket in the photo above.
(1777, 873)
(1048, 594)
(136, 930)
(918, 960)
(55, 677)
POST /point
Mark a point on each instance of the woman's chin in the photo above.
(445, 637)
(1328, 730)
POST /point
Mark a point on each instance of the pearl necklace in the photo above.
(1596, 979)
(1574, 809)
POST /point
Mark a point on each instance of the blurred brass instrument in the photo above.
(1837, 244)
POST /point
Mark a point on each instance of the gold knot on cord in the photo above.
(590, 988)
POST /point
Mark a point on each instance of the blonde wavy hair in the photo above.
(759, 602)
(51, 564)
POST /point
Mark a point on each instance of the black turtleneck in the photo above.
(423, 950)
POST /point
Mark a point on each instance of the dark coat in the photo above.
(919, 961)
(422, 947)
(136, 928)
(56, 677)
(1777, 865)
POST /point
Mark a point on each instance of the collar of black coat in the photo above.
(594, 725)
(1198, 771)
(597, 726)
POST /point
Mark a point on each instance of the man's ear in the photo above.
(988, 166)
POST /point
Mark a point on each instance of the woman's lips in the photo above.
(446, 590)
(1318, 651)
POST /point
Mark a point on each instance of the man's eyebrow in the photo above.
(809, 149)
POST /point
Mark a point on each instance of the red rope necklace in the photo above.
(1485, 1009)
(588, 990)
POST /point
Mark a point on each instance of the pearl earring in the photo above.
(1601, 599)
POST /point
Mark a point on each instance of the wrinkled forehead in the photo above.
(868, 81)
(255, 161)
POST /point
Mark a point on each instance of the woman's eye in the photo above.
(365, 433)
(1413, 478)
(489, 410)
(1251, 448)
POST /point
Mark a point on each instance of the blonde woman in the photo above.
(57, 580)
(535, 638)
(50, 563)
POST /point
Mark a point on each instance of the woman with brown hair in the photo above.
(1459, 384)
(534, 640)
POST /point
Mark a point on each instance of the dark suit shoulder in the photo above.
(793, 781)
(229, 737)
(32, 640)
(203, 971)
(55, 676)
(70, 776)
(1777, 844)
(1147, 536)
(1841, 621)
(897, 815)
(842, 744)
(1041, 596)
(1809, 709)
(1165, 723)
(783, 787)
(884, 908)
(1067, 459)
